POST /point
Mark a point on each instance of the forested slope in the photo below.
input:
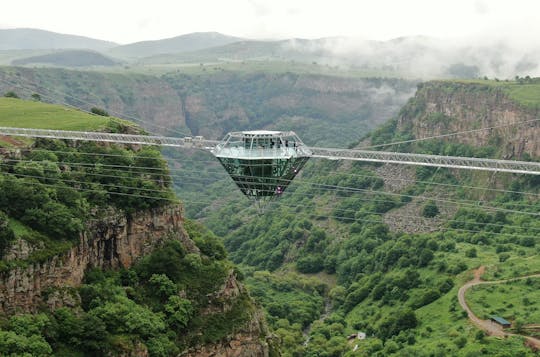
(97, 257)
(385, 248)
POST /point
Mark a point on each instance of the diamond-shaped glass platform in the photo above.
(262, 163)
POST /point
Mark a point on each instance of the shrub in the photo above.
(11, 94)
(471, 253)
(310, 264)
(99, 111)
(430, 210)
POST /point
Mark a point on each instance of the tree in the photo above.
(12, 344)
(518, 325)
(527, 241)
(179, 311)
(310, 264)
(430, 210)
(400, 321)
(99, 111)
(11, 94)
(480, 334)
(471, 253)
(163, 286)
(425, 257)
(6, 233)
(36, 97)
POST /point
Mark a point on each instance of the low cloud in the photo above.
(427, 57)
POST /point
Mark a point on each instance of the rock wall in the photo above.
(251, 341)
(469, 106)
(114, 242)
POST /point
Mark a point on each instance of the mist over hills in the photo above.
(413, 57)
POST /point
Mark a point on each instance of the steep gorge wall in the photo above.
(148, 100)
(114, 242)
(469, 106)
(323, 109)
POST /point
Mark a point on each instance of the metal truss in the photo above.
(456, 162)
(519, 167)
(186, 142)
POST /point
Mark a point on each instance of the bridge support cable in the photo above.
(456, 162)
(511, 166)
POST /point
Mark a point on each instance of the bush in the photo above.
(99, 111)
(471, 253)
(394, 324)
(430, 210)
(503, 257)
(310, 264)
(11, 94)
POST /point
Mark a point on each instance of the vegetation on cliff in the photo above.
(397, 248)
(160, 304)
(49, 191)
(176, 299)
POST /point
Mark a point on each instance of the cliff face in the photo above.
(245, 343)
(446, 107)
(249, 341)
(117, 242)
(214, 104)
(110, 243)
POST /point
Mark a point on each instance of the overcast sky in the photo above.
(126, 21)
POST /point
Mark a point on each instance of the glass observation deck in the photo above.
(262, 163)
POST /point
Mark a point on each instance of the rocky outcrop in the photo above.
(113, 242)
(447, 107)
(117, 241)
(251, 341)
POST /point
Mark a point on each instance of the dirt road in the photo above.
(491, 328)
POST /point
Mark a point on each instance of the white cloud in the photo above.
(127, 21)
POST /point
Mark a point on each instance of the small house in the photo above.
(501, 321)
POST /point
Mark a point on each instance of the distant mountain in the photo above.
(33, 39)
(70, 58)
(184, 43)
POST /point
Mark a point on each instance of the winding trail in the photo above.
(491, 328)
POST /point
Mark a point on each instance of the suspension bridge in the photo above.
(263, 163)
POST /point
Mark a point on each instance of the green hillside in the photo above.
(397, 243)
(525, 91)
(358, 247)
(31, 114)
(213, 102)
(71, 58)
(51, 192)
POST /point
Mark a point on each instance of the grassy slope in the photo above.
(513, 300)
(526, 93)
(266, 66)
(27, 114)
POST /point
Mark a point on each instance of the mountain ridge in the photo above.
(183, 43)
(29, 38)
